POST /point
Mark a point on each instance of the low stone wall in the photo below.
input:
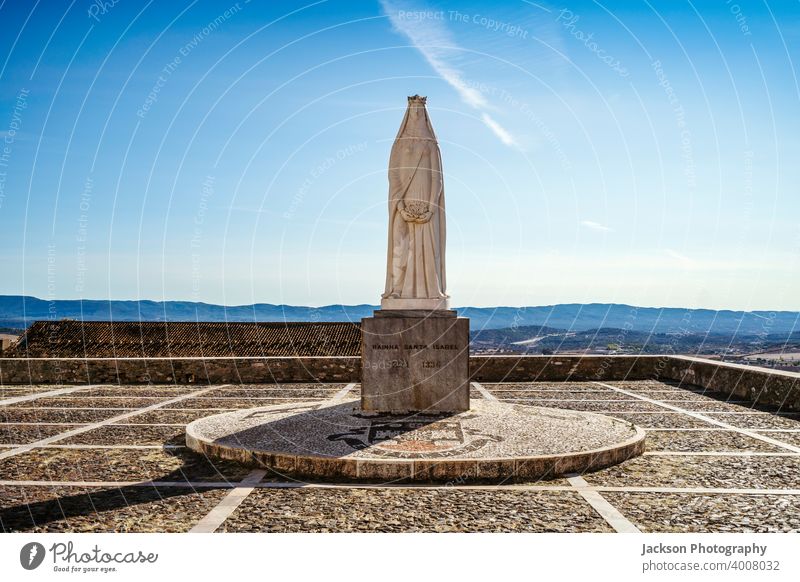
(759, 385)
(308, 369)
(563, 368)
(178, 370)
(766, 387)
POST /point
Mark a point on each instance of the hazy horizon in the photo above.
(375, 304)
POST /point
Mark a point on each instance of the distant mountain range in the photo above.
(18, 311)
(546, 340)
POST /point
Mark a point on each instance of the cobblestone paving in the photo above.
(407, 510)
(757, 420)
(169, 416)
(792, 438)
(670, 512)
(23, 434)
(85, 401)
(160, 392)
(665, 419)
(117, 465)
(49, 415)
(706, 441)
(130, 435)
(689, 471)
(714, 459)
(121, 509)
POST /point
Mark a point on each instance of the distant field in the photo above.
(785, 356)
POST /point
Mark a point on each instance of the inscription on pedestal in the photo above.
(413, 364)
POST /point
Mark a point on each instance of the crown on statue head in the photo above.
(417, 100)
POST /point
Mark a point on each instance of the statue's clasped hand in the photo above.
(414, 211)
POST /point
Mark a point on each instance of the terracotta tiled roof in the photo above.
(100, 339)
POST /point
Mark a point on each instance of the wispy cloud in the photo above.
(499, 130)
(435, 43)
(596, 226)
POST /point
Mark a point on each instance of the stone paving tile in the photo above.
(664, 420)
(117, 465)
(130, 435)
(757, 420)
(680, 512)
(791, 438)
(55, 415)
(686, 471)
(22, 434)
(86, 402)
(413, 510)
(710, 441)
(127, 509)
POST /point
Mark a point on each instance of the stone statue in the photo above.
(415, 274)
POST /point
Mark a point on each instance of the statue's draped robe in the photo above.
(416, 250)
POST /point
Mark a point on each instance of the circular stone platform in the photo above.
(493, 441)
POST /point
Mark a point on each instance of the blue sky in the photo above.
(641, 153)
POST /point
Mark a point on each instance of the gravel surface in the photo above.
(792, 438)
(545, 395)
(130, 435)
(599, 407)
(696, 441)
(680, 395)
(569, 386)
(161, 392)
(69, 416)
(129, 509)
(406, 510)
(757, 420)
(288, 389)
(117, 465)
(710, 405)
(22, 434)
(169, 416)
(231, 403)
(635, 385)
(311, 394)
(664, 420)
(86, 402)
(43, 508)
(709, 513)
(686, 471)
(14, 392)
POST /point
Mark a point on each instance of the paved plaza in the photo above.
(113, 458)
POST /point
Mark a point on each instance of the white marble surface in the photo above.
(415, 265)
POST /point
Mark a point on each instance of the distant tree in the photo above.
(547, 352)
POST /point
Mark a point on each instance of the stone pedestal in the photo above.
(415, 361)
